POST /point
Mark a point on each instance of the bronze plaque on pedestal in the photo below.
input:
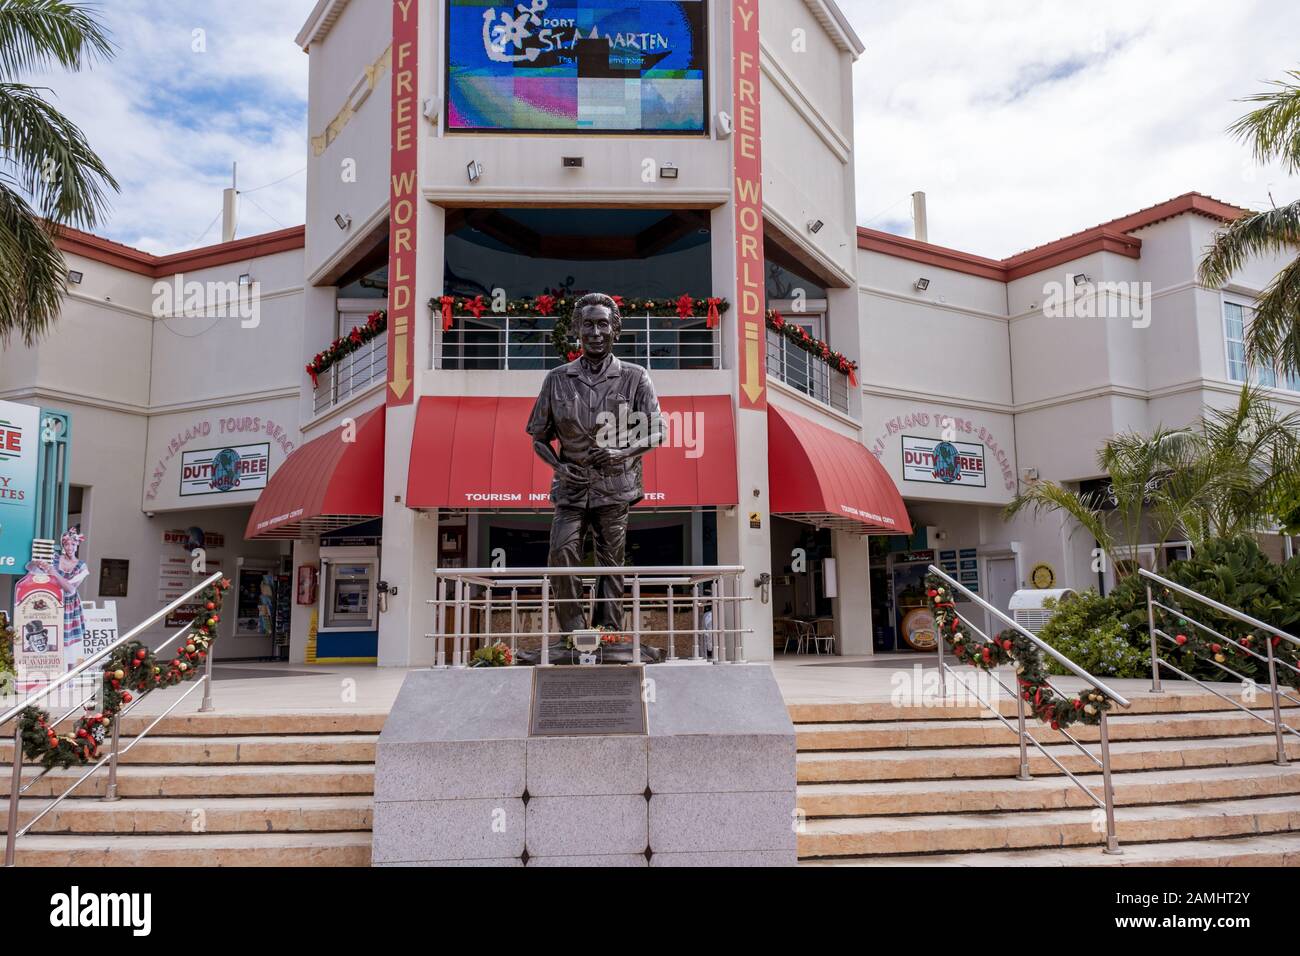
(585, 701)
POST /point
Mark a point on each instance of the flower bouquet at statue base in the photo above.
(494, 655)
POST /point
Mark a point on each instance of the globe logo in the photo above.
(946, 466)
(225, 470)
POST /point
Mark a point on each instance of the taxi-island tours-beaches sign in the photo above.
(19, 447)
(970, 450)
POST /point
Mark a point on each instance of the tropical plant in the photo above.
(1133, 507)
(1273, 133)
(1233, 473)
(50, 176)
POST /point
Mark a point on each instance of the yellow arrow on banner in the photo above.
(750, 383)
(401, 380)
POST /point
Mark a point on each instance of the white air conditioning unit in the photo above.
(1027, 608)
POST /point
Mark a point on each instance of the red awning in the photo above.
(829, 480)
(470, 452)
(325, 485)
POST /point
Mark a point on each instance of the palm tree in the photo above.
(1233, 473)
(1273, 132)
(50, 176)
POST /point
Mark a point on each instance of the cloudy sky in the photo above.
(1023, 120)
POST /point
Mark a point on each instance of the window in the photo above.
(1236, 320)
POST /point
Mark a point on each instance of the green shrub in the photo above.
(1088, 631)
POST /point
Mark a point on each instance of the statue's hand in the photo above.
(602, 457)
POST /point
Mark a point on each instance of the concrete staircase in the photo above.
(880, 786)
(215, 790)
(1194, 785)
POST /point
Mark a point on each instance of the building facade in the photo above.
(694, 158)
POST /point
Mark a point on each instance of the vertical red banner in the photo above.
(403, 170)
(747, 153)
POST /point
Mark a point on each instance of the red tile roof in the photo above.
(1113, 236)
(94, 247)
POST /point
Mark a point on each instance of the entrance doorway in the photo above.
(1002, 583)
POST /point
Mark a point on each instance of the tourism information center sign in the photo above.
(943, 462)
(212, 471)
(19, 445)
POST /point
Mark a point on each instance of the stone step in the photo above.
(967, 832)
(860, 711)
(882, 735)
(195, 849)
(997, 794)
(293, 813)
(211, 780)
(953, 762)
(278, 749)
(1274, 849)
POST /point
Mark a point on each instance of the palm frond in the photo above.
(1273, 130)
(35, 34)
(1086, 509)
(51, 159)
(1273, 336)
(1268, 233)
(32, 271)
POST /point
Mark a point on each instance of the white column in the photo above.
(739, 542)
(304, 553)
(852, 608)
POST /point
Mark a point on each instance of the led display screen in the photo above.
(577, 66)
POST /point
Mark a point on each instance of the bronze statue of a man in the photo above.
(604, 414)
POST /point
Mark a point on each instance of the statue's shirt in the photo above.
(613, 406)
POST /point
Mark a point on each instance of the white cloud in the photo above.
(175, 107)
(957, 97)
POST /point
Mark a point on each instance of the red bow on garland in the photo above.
(685, 305)
(476, 306)
(546, 304)
(712, 320)
(447, 301)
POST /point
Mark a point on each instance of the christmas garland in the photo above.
(130, 667)
(1192, 640)
(814, 347)
(1012, 647)
(562, 338)
(345, 345)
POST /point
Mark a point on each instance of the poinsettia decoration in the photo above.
(1013, 648)
(345, 345)
(815, 347)
(560, 307)
(131, 670)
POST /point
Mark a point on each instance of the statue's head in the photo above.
(597, 323)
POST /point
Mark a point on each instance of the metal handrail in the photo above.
(508, 581)
(1043, 646)
(16, 789)
(1107, 800)
(94, 659)
(1279, 728)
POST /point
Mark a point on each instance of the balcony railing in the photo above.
(524, 342)
(804, 373)
(354, 373)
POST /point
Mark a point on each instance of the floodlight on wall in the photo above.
(1081, 279)
(921, 284)
(571, 162)
(74, 277)
(342, 221)
(815, 226)
(431, 107)
(246, 279)
(474, 170)
(668, 171)
(724, 126)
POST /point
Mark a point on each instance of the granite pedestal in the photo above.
(459, 782)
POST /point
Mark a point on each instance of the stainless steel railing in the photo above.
(16, 787)
(353, 373)
(524, 342)
(1104, 802)
(801, 371)
(1280, 729)
(525, 596)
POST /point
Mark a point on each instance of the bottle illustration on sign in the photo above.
(947, 466)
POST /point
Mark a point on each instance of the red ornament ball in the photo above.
(1181, 639)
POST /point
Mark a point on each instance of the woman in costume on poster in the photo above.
(69, 571)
